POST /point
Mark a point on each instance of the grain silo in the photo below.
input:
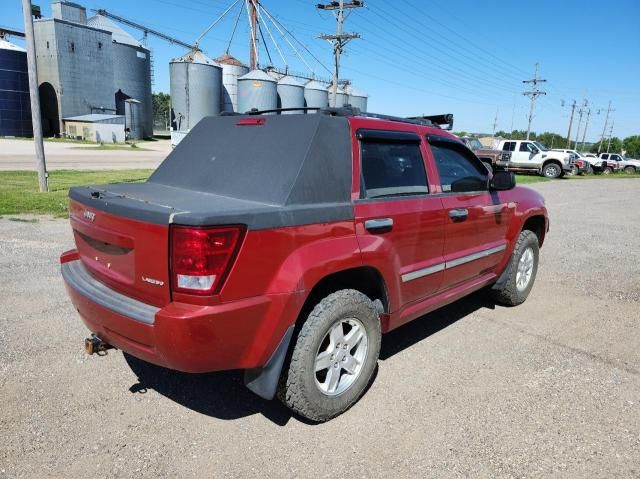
(131, 72)
(15, 106)
(341, 96)
(357, 98)
(196, 83)
(232, 69)
(256, 90)
(290, 94)
(316, 95)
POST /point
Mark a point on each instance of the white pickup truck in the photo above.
(627, 165)
(531, 156)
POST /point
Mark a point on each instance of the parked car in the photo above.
(488, 156)
(627, 165)
(582, 166)
(286, 245)
(532, 156)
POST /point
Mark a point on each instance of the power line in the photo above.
(573, 110)
(534, 93)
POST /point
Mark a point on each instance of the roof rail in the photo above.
(348, 110)
(440, 120)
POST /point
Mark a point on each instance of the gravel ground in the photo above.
(550, 388)
(21, 155)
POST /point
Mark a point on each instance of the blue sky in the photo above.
(464, 57)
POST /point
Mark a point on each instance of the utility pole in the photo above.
(534, 93)
(495, 124)
(41, 164)
(604, 130)
(586, 126)
(340, 39)
(573, 110)
(610, 135)
(580, 113)
(253, 39)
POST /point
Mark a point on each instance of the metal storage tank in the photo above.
(290, 94)
(341, 96)
(232, 69)
(257, 90)
(131, 71)
(15, 104)
(195, 82)
(357, 98)
(316, 95)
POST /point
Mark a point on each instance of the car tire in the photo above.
(516, 281)
(552, 170)
(321, 393)
(607, 171)
(629, 170)
(573, 171)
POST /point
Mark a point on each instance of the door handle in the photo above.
(459, 214)
(378, 225)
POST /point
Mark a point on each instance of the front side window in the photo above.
(392, 169)
(528, 147)
(459, 172)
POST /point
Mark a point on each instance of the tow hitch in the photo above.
(95, 345)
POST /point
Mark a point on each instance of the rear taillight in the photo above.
(201, 257)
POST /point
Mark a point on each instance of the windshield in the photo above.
(540, 146)
(475, 144)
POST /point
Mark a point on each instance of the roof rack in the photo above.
(433, 120)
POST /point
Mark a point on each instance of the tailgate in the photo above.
(128, 255)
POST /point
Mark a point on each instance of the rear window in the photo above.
(392, 169)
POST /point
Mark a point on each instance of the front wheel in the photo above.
(334, 356)
(516, 281)
(629, 170)
(551, 170)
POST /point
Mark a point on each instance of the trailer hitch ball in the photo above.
(95, 345)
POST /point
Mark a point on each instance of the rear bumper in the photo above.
(192, 338)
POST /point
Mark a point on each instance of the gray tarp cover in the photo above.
(292, 170)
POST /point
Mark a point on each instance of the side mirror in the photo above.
(502, 180)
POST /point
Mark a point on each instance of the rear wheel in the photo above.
(551, 170)
(607, 171)
(516, 281)
(629, 170)
(334, 356)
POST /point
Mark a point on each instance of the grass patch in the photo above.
(526, 179)
(19, 189)
(612, 176)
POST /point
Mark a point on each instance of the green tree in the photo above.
(161, 110)
(631, 146)
(615, 146)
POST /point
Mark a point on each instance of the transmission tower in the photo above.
(581, 111)
(339, 39)
(534, 93)
(573, 110)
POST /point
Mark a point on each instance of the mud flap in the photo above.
(264, 381)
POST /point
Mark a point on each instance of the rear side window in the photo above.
(459, 172)
(509, 146)
(392, 169)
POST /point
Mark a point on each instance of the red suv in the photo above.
(286, 245)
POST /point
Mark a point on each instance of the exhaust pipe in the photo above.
(95, 345)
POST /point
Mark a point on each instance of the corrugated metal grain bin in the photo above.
(357, 98)
(257, 90)
(196, 83)
(232, 69)
(316, 95)
(290, 94)
(341, 96)
(15, 106)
